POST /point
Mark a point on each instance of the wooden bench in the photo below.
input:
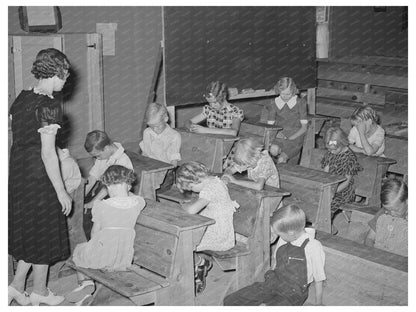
(358, 275)
(250, 258)
(209, 149)
(312, 190)
(368, 181)
(163, 270)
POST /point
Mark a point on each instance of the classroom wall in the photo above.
(128, 74)
(362, 31)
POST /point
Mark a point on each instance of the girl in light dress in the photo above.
(214, 202)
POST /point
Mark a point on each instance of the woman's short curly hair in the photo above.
(50, 62)
(190, 172)
(117, 174)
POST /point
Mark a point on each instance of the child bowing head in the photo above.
(250, 156)
(160, 141)
(366, 136)
(118, 179)
(393, 197)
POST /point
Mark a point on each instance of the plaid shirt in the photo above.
(222, 118)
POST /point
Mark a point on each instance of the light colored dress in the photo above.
(376, 138)
(112, 247)
(265, 169)
(220, 235)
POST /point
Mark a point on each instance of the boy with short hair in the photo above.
(160, 141)
(106, 153)
(299, 261)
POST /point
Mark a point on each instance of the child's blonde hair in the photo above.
(394, 192)
(97, 140)
(154, 109)
(245, 151)
(284, 83)
(287, 219)
(365, 113)
(336, 136)
(218, 90)
(190, 172)
(117, 174)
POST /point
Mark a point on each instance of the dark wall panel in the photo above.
(245, 47)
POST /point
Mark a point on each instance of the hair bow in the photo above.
(332, 142)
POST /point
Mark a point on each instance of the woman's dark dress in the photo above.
(38, 231)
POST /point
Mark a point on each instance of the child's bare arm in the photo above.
(370, 238)
(196, 206)
(96, 227)
(344, 184)
(356, 149)
(318, 292)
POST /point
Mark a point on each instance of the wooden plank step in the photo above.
(240, 249)
(126, 283)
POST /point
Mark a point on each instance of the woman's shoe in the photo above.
(85, 287)
(21, 298)
(50, 299)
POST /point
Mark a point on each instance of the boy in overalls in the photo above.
(299, 260)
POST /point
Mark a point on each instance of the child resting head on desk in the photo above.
(214, 202)
(249, 155)
(160, 141)
(221, 116)
(298, 261)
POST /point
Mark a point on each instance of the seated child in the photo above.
(160, 141)
(214, 202)
(113, 234)
(249, 156)
(288, 111)
(390, 219)
(69, 170)
(366, 136)
(340, 160)
(298, 261)
(221, 116)
(106, 153)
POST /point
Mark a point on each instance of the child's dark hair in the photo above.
(284, 83)
(97, 140)
(337, 135)
(365, 112)
(218, 90)
(392, 193)
(117, 174)
(190, 172)
(50, 62)
(289, 218)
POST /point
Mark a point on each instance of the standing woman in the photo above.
(38, 202)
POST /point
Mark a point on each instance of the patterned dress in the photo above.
(38, 230)
(344, 163)
(222, 118)
(220, 235)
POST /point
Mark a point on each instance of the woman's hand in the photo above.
(274, 150)
(197, 128)
(66, 202)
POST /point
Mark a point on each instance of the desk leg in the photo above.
(323, 217)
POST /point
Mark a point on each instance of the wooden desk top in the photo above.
(294, 173)
(262, 124)
(176, 217)
(147, 164)
(225, 138)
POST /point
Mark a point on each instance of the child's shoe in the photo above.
(200, 276)
(85, 287)
(21, 298)
(50, 299)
